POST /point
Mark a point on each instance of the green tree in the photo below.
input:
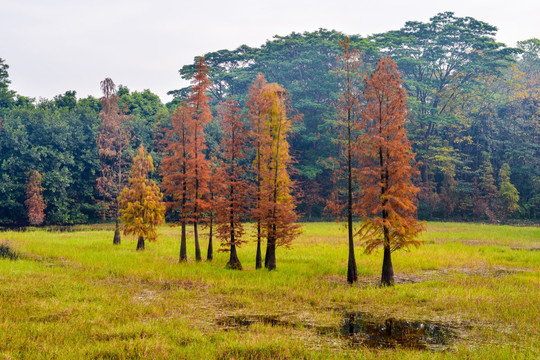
(6, 95)
(508, 194)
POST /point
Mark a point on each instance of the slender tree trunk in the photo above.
(210, 252)
(266, 253)
(117, 238)
(352, 275)
(183, 240)
(258, 259)
(196, 235)
(140, 243)
(183, 250)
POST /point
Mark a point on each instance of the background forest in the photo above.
(474, 122)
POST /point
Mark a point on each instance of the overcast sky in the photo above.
(56, 45)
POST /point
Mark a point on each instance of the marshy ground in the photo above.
(471, 291)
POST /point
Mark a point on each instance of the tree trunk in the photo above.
(387, 278)
(234, 262)
(117, 238)
(210, 252)
(352, 274)
(258, 258)
(270, 260)
(140, 243)
(197, 247)
(183, 252)
(266, 256)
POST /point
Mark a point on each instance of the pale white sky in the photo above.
(56, 45)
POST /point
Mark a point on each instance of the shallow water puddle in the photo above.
(365, 330)
(362, 329)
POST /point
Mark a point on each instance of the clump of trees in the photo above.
(471, 118)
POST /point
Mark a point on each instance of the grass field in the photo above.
(75, 295)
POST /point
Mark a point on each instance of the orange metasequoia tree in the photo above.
(198, 167)
(347, 113)
(233, 187)
(174, 170)
(387, 197)
(112, 141)
(34, 199)
(140, 202)
(277, 204)
(213, 183)
(257, 107)
(185, 169)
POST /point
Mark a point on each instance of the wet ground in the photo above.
(366, 330)
(363, 329)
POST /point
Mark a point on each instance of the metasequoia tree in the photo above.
(277, 205)
(348, 111)
(233, 187)
(112, 141)
(197, 164)
(174, 170)
(185, 168)
(34, 199)
(212, 185)
(257, 107)
(140, 202)
(387, 197)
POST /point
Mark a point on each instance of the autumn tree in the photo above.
(257, 107)
(140, 202)
(233, 187)
(277, 205)
(213, 183)
(348, 111)
(185, 168)
(174, 171)
(387, 197)
(112, 141)
(34, 199)
(197, 164)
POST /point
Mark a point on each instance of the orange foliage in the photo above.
(233, 188)
(276, 205)
(140, 202)
(388, 197)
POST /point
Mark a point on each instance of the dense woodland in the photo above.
(473, 121)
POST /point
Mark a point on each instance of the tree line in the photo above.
(473, 123)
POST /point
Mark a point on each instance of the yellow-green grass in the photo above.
(75, 295)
